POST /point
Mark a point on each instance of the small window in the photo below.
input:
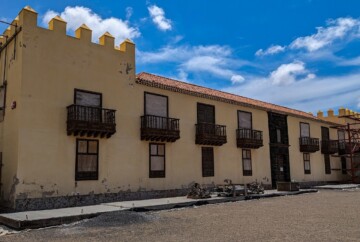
(244, 120)
(246, 159)
(278, 135)
(207, 161)
(88, 98)
(307, 168)
(87, 154)
(157, 160)
(327, 164)
(156, 105)
(304, 130)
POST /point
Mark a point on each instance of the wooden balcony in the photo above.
(346, 148)
(210, 134)
(249, 138)
(90, 121)
(308, 144)
(156, 128)
(329, 146)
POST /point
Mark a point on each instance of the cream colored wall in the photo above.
(317, 162)
(56, 64)
(9, 126)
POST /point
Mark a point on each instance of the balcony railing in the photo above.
(329, 146)
(346, 148)
(90, 121)
(249, 138)
(156, 128)
(210, 134)
(308, 144)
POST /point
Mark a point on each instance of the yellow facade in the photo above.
(39, 156)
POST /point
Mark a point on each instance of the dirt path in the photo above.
(323, 216)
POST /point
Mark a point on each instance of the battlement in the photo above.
(28, 17)
(332, 116)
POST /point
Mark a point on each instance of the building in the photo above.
(79, 127)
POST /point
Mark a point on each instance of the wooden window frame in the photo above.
(204, 104)
(309, 130)
(90, 92)
(307, 172)
(157, 174)
(83, 176)
(240, 111)
(155, 94)
(327, 162)
(204, 172)
(246, 151)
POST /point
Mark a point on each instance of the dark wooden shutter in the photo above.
(327, 164)
(207, 161)
(205, 113)
(325, 133)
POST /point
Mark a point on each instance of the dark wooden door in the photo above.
(279, 168)
(279, 148)
(325, 133)
(205, 113)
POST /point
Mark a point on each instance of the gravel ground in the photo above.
(322, 216)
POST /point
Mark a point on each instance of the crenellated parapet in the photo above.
(28, 18)
(340, 117)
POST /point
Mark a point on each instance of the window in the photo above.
(87, 98)
(307, 168)
(205, 113)
(244, 120)
(304, 130)
(278, 135)
(327, 164)
(156, 105)
(207, 161)
(246, 159)
(157, 160)
(341, 138)
(87, 155)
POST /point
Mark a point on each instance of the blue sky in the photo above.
(300, 54)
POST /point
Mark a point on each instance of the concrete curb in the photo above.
(15, 222)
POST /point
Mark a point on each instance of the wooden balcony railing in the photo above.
(308, 144)
(346, 148)
(90, 121)
(249, 138)
(210, 134)
(156, 128)
(329, 146)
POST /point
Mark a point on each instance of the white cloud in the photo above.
(157, 15)
(236, 79)
(78, 15)
(274, 49)
(350, 62)
(335, 31)
(211, 59)
(325, 36)
(287, 74)
(129, 12)
(318, 93)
